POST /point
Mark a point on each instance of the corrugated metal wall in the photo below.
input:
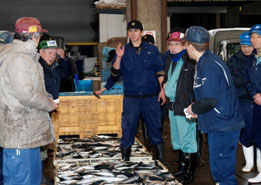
(75, 20)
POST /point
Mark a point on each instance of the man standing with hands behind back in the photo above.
(216, 106)
(25, 124)
(143, 71)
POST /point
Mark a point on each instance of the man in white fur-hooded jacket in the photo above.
(25, 124)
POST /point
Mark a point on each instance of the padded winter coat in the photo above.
(24, 103)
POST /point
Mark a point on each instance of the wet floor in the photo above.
(202, 174)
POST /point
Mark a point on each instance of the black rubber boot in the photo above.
(199, 161)
(159, 150)
(125, 153)
(188, 175)
(181, 167)
(178, 158)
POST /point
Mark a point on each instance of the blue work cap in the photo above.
(245, 39)
(255, 29)
(197, 34)
(6, 37)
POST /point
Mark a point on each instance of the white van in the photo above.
(225, 42)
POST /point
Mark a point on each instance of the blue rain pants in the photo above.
(22, 166)
(222, 156)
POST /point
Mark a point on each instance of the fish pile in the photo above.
(97, 147)
(114, 173)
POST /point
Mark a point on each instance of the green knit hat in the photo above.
(47, 44)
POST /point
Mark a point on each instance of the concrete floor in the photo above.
(202, 174)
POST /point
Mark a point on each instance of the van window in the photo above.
(232, 48)
(221, 51)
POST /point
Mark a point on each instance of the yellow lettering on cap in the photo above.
(32, 29)
(133, 23)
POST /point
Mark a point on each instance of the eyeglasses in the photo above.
(175, 44)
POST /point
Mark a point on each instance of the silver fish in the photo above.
(68, 182)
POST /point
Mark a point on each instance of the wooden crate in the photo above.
(87, 116)
(142, 175)
(69, 159)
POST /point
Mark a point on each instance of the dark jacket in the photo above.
(214, 80)
(184, 92)
(140, 70)
(237, 65)
(254, 77)
(53, 74)
(67, 82)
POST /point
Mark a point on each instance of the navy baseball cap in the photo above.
(245, 39)
(135, 25)
(148, 38)
(197, 34)
(255, 29)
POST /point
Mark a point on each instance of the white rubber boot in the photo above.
(258, 159)
(257, 179)
(249, 158)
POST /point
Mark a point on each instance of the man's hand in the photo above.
(257, 99)
(99, 92)
(189, 109)
(61, 53)
(120, 50)
(120, 53)
(162, 97)
(55, 104)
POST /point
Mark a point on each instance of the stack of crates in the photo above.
(103, 176)
(73, 154)
(85, 115)
(67, 148)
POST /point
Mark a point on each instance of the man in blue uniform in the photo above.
(237, 65)
(254, 87)
(143, 70)
(216, 106)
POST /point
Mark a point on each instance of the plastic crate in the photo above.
(80, 93)
(105, 74)
(86, 116)
(84, 85)
(115, 89)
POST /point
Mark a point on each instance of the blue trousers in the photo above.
(257, 125)
(222, 156)
(247, 133)
(149, 108)
(22, 166)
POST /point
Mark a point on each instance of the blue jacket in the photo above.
(237, 65)
(53, 74)
(140, 71)
(213, 80)
(254, 77)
